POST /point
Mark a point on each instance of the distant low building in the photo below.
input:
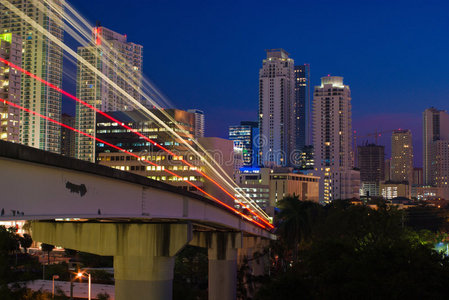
(246, 136)
(425, 192)
(283, 182)
(390, 190)
(254, 183)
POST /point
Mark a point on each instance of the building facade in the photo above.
(246, 136)
(276, 108)
(439, 151)
(42, 57)
(371, 160)
(283, 182)
(418, 178)
(10, 86)
(113, 133)
(121, 62)
(435, 128)
(307, 160)
(68, 136)
(302, 107)
(254, 183)
(199, 122)
(390, 190)
(332, 133)
(401, 156)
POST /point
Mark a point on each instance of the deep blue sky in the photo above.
(207, 54)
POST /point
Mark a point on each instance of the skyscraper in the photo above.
(42, 57)
(439, 151)
(276, 99)
(199, 122)
(435, 128)
(332, 128)
(401, 156)
(302, 107)
(121, 62)
(371, 159)
(11, 50)
(246, 134)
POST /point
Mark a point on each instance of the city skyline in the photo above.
(155, 141)
(361, 64)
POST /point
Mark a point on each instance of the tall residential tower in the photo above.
(276, 99)
(332, 127)
(121, 62)
(401, 156)
(302, 107)
(10, 83)
(43, 58)
(435, 128)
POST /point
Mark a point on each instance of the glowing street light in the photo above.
(83, 274)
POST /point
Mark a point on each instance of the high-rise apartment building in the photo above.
(10, 83)
(302, 107)
(43, 58)
(439, 151)
(435, 128)
(276, 108)
(332, 128)
(118, 60)
(199, 122)
(401, 156)
(246, 135)
(371, 159)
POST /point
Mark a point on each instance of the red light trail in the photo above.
(132, 130)
(132, 154)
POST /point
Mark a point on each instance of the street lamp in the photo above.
(83, 274)
(53, 286)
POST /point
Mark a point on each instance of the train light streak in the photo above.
(132, 154)
(131, 99)
(131, 130)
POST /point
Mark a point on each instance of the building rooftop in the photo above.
(277, 53)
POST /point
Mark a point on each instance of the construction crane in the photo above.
(375, 134)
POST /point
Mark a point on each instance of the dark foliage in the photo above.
(355, 252)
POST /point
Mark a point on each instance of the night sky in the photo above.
(394, 55)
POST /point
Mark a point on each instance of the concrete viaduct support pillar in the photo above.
(143, 253)
(222, 254)
(253, 250)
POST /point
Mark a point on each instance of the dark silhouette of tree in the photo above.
(26, 241)
(356, 252)
(295, 221)
(47, 248)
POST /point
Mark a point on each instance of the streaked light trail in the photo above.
(226, 179)
(134, 155)
(128, 128)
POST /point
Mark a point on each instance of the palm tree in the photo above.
(295, 221)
